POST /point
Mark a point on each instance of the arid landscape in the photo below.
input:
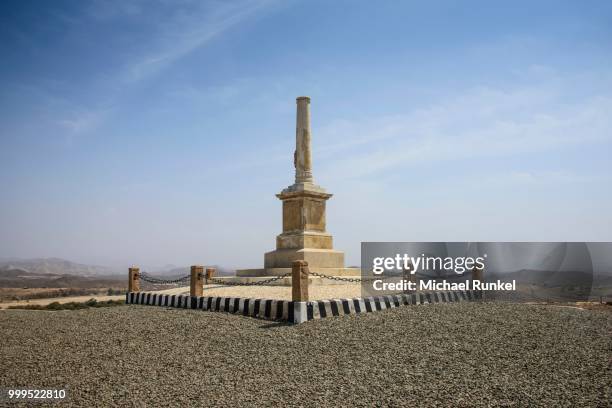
(43, 281)
(531, 354)
(22, 280)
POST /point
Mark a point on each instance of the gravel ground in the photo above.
(467, 354)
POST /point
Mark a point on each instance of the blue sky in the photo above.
(158, 132)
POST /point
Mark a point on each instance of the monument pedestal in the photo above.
(320, 258)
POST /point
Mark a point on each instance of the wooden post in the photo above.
(197, 280)
(407, 275)
(134, 279)
(210, 272)
(478, 275)
(299, 281)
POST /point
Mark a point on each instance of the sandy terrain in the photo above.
(315, 292)
(66, 299)
(261, 292)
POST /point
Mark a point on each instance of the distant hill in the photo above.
(18, 278)
(60, 273)
(55, 266)
(13, 267)
(14, 273)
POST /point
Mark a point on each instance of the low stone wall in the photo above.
(297, 312)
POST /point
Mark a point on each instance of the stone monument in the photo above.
(304, 236)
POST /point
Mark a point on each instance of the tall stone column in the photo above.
(303, 155)
(304, 237)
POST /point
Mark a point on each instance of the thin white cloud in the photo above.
(188, 27)
(182, 34)
(481, 123)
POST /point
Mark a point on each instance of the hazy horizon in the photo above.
(153, 134)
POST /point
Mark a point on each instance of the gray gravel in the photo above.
(465, 354)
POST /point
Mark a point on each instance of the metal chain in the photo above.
(263, 282)
(336, 278)
(354, 280)
(148, 278)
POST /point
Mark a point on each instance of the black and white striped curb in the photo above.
(297, 312)
(270, 309)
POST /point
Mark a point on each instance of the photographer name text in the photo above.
(435, 285)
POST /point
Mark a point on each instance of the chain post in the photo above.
(478, 275)
(299, 281)
(197, 280)
(134, 279)
(414, 278)
(210, 273)
(407, 275)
